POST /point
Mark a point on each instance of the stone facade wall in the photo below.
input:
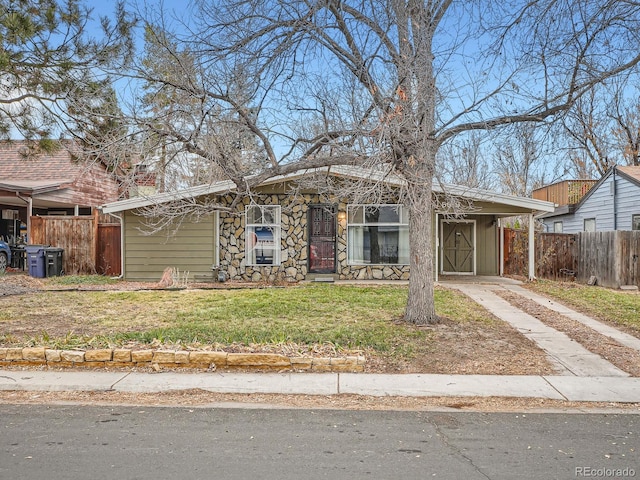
(294, 246)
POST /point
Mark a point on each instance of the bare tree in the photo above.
(589, 135)
(464, 162)
(603, 128)
(519, 159)
(625, 113)
(384, 84)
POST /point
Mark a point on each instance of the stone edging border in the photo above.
(158, 359)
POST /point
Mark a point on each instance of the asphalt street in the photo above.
(134, 442)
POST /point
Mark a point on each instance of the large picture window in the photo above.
(377, 235)
(263, 235)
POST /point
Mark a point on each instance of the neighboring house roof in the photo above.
(51, 179)
(631, 173)
(468, 193)
(32, 187)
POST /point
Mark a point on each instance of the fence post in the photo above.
(501, 240)
(94, 250)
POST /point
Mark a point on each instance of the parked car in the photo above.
(5, 256)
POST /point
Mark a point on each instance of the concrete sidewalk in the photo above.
(584, 389)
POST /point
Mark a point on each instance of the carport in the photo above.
(27, 195)
(470, 242)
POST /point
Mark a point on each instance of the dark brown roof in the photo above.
(17, 163)
(56, 175)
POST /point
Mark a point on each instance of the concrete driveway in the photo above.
(569, 356)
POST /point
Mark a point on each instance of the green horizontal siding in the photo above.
(486, 245)
(191, 249)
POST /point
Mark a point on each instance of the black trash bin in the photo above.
(18, 257)
(36, 260)
(54, 261)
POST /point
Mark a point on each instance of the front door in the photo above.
(322, 239)
(458, 247)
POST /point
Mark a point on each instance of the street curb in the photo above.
(562, 388)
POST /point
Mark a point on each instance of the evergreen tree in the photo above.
(51, 58)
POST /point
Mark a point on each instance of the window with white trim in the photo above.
(377, 235)
(589, 224)
(557, 227)
(262, 235)
(635, 222)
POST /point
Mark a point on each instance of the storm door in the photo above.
(458, 247)
(322, 239)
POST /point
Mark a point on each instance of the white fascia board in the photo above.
(474, 194)
(166, 197)
(34, 187)
(340, 171)
(480, 195)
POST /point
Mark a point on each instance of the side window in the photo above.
(557, 227)
(635, 222)
(262, 235)
(589, 224)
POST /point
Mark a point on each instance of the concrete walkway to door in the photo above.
(569, 356)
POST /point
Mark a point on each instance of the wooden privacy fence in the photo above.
(89, 246)
(555, 256)
(610, 257)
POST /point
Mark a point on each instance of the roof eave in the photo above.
(480, 195)
(160, 198)
(31, 190)
(473, 194)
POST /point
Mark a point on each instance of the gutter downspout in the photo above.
(615, 200)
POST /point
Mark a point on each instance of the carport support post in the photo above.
(501, 243)
(437, 249)
(29, 214)
(532, 252)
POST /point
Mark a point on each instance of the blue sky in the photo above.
(173, 8)
(103, 7)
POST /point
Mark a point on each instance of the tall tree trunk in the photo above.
(417, 147)
(420, 304)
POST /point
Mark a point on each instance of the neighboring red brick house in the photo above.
(49, 184)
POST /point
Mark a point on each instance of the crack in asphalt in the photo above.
(456, 451)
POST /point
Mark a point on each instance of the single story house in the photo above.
(287, 234)
(611, 203)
